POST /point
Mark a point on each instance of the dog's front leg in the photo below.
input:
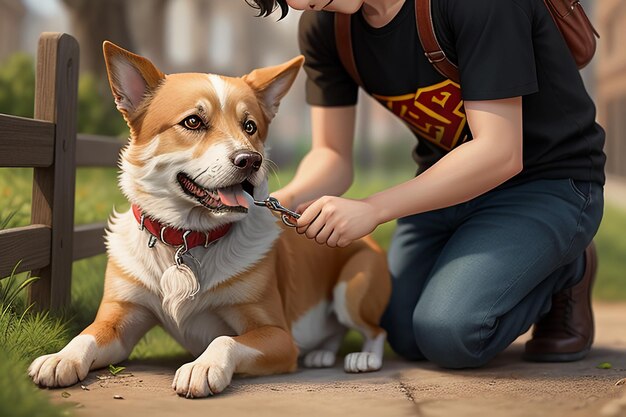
(262, 351)
(109, 339)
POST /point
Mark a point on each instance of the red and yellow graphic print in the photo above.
(435, 113)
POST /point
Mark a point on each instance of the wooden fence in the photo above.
(49, 144)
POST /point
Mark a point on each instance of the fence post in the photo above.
(56, 91)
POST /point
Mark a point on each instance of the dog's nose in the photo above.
(247, 160)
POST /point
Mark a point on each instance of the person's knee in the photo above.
(449, 341)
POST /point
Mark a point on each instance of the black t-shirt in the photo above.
(504, 48)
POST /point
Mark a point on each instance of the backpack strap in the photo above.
(343, 39)
(433, 51)
(426, 33)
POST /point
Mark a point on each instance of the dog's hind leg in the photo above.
(370, 358)
(360, 298)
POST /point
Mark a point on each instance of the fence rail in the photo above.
(26, 142)
(30, 244)
(49, 144)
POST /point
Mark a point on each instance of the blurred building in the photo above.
(11, 20)
(610, 70)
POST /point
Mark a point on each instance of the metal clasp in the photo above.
(436, 56)
(273, 204)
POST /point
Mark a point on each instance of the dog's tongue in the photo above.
(233, 196)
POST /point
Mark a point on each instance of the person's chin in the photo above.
(343, 9)
(341, 6)
(299, 4)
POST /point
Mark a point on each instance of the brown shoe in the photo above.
(566, 332)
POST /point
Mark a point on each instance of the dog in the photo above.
(238, 289)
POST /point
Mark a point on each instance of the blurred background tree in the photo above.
(92, 22)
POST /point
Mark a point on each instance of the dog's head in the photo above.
(197, 140)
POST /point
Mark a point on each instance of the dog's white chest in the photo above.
(198, 331)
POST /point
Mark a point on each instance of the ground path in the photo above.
(506, 387)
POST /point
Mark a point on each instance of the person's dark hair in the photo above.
(266, 7)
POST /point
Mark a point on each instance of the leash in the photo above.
(273, 204)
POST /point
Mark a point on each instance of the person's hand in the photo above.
(336, 221)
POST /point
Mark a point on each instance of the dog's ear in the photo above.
(272, 83)
(132, 77)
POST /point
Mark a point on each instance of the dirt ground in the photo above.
(506, 387)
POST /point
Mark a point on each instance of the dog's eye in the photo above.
(192, 123)
(250, 127)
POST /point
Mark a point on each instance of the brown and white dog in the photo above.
(241, 292)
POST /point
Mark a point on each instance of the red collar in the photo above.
(178, 237)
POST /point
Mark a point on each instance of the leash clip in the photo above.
(273, 204)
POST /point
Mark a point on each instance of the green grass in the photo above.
(97, 193)
(24, 336)
(19, 397)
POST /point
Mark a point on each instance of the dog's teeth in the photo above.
(209, 201)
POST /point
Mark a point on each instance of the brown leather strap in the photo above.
(343, 39)
(428, 39)
(426, 33)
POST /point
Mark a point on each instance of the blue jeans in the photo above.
(469, 279)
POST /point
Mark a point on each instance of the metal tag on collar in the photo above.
(273, 204)
(142, 219)
(182, 249)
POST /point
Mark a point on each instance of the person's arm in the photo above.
(327, 169)
(475, 167)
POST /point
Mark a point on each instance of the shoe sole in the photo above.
(557, 357)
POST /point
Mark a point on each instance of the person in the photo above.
(494, 233)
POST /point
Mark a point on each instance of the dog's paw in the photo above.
(319, 359)
(57, 370)
(362, 362)
(198, 380)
